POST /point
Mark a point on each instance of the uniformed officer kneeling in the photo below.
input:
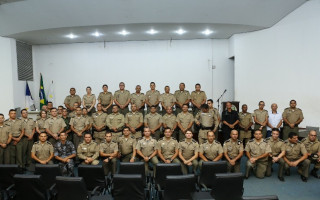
(88, 151)
(109, 152)
(42, 151)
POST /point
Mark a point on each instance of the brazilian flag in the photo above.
(42, 95)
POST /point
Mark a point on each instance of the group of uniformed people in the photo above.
(108, 130)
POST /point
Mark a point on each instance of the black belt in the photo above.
(206, 128)
(104, 105)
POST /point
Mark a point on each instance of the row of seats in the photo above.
(129, 183)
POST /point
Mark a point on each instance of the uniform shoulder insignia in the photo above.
(49, 142)
(193, 140)
(287, 108)
(299, 109)
(239, 141)
(142, 93)
(37, 142)
(267, 138)
(251, 140)
(6, 120)
(304, 139)
(281, 140)
(173, 138)
(286, 141)
(256, 109)
(132, 137)
(217, 142)
(299, 141)
(228, 140)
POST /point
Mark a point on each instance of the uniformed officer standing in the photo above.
(278, 151)
(168, 148)
(211, 150)
(40, 124)
(182, 97)
(261, 119)
(167, 100)
(29, 130)
(49, 107)
(296, 156)
(64, 152)
(188, 153)
(207, 121)
(134, 121)
(146, 149)
(67, 120)
(312, 145)
(127, 147)
(230, 120)
(89, 120)
(122, 98)
(89, 101)
(152, 98)
(185, 121)
(106, 99)
(257, 151)
(153, 121)
(88, 151)
(16, 129)
(109, 152)
(42, 151)
(71, 99)
(115, 123)
(198, 98)
(214, 110)
(169, 120)
(99, 124)
(233, 152)
(245, 123)
(54, 126)
(78, 126)
(74, 112)
(138, 98)
(5, 139)
(292, 117)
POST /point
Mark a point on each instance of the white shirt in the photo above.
(274, 119)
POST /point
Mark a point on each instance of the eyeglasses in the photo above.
(313, 135)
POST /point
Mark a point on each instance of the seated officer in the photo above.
(127, 146)
(168, 148)
(88, 151)
(42, 151)
(296, 156)
(233, 151)
(211, 150)
(312, 145)
(109, 152)
(257, 151)
(188, 153)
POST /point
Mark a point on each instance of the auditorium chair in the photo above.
(179, 187)
(94, 177)
(6, 179)
(48, 173)
(267, 197)
(207, 172)
(222, 184)
(128, 186)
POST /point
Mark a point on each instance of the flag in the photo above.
(42, 95)
(28, 101)
(50, 95)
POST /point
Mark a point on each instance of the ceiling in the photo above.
(48, 22)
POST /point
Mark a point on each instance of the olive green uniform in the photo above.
(233, 149)
(210, 151)
(105, 100)
(147, 147)
(99, 119)
(29, 126)
(215, 112)
(153, 120)
(198, 97)
(90, 150)
(138, 100)
(90, 122)
(40, 123)
(208, 122)
(292, 115)
(88, 101)
(153, 97)
(184, 119)
(312, 148)
(109, 148)
(78, 123)
(168, 148)
(122, 97)
(134, 119)
(257, 149)
(188, 150)
(261, 116)
(5, 152)
(43, 151)
(168, 100)
(245, 119)
(117, 121)
(277, 146)
(126, 148)
(181, 97)
(72, 114)
(71, 99)
(170, 121)
(54, 125)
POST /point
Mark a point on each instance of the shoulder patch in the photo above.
(281, 140)
(133, 137)
(217, 142)
(304, 139)
(268, 138)
(193, 140)
(299, 141)
(49, 142)
(251, 140)
(228, 140)
(36, 142)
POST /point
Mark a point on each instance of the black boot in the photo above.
(314, 173)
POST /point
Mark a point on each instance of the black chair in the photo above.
(70, 188)
(48, 173)
(267, 197)
(208, 170)
(180, 187)
(6, 179)
(94, 177)
(133, 168)
(223, 183)
(128, 186)
(30, 187)
(162, 170)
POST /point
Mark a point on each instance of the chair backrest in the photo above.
(267, 197)
(163, 169)
(180, 187)
(71, 188)
(93, 176)
(133, 168)
(209, 169)
(48, 173)
(6, 175)
(128, 186)
(30, 187)
(222, 184)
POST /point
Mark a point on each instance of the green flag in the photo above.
(42, 95)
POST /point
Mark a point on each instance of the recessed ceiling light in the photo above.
(124, 32)
(71, 36)
(180, 31)
(152, 31)
(97, 34)
(207, 32)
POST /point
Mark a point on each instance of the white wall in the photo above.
(164, 62)
(282, 63)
